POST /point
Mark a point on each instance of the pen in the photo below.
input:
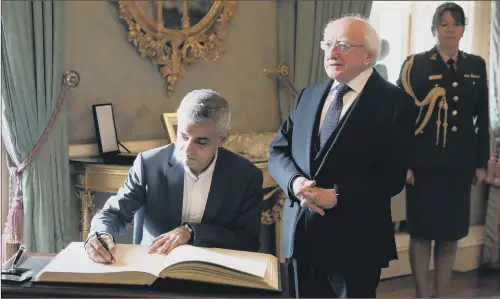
(17, 258)
(98, 236)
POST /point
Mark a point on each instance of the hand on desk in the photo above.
(165, 243)
(96, 250)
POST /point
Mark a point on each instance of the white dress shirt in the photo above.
(446, 57)
(196, 189)
(357, 84)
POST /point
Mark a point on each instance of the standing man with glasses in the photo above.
(341, 156)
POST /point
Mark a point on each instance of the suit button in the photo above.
(454, 129)
(454, 113)
(455, 84)
(455, 98)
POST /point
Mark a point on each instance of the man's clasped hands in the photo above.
(315, 198)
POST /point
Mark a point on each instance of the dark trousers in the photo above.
(312, 282)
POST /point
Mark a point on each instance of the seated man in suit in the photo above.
(192, 191)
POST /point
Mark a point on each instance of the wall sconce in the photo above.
(283, 72)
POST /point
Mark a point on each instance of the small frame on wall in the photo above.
(170, 120)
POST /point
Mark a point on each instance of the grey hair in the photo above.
(372, 39)
(205, 105)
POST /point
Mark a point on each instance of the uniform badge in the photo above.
(433, 57)
(466, 76)
(436, 77)
(475, 76)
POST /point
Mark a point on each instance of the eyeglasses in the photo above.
(342, 47)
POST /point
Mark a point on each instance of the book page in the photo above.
(128, 257)
(248, 262)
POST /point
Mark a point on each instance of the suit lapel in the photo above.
(218, 188)
(313, 110)
(438, 65)
(175, 175)
(359, 111)
(331, 139)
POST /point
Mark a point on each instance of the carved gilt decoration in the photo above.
(176, 33)
(254, 146)
(274, 214)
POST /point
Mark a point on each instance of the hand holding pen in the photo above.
(100, 248)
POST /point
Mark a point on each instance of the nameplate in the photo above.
(435, 77)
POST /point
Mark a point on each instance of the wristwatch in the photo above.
(188, 228)
(336, 189)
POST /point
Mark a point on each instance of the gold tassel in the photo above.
(445, 124)
(430, 100)
(438, 122)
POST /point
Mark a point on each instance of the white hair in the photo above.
(372, 39)
(205, 105)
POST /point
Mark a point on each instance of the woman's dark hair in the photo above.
(457, 12)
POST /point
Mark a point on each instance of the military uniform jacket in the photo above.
(456, 135)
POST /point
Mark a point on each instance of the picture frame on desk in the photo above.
(107, 136)
(105, 128)
(170, 122)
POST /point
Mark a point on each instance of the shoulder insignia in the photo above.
(433, 57)
(474, 76)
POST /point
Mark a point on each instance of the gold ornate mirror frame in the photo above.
(173, 49)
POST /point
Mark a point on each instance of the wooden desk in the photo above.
(162, 288)
(93, 175)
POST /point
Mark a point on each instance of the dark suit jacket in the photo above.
(232, 216)
(366, 157)
(467, 143)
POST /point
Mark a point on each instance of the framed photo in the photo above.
(105, 129)
(170, 120)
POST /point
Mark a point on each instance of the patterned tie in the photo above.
(332, 116)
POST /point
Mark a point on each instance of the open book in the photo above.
(134, 265)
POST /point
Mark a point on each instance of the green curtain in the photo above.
(32, 72)
(491, 249)
(300, 30)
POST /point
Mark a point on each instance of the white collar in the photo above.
(446, 57)
(358, 83)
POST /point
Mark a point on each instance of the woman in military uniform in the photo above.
(451, 150)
